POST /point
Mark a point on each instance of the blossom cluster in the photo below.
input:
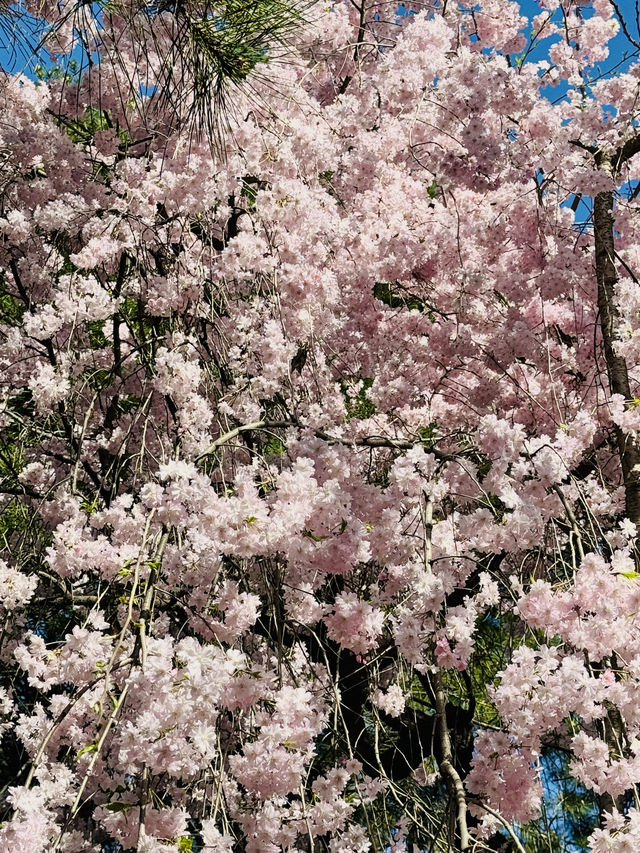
(292, 430)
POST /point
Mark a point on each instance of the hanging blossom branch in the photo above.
(452, 778)
(371, 441)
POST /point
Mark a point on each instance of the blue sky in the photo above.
(12, 59)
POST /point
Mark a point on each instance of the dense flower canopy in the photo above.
(320, 474)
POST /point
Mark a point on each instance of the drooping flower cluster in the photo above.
(298, 441)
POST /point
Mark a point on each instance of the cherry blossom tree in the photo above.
(320, 469)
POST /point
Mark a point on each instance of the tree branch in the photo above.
(451, 775)
(370, 441)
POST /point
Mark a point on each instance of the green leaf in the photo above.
(90, 507)
(396, 296)
(118, 807)
(98, 379)
(429, 434)
(249, 192)
(95, 330)
(275, 447)
(310, 535)
(358, 406)
(11, 309)
(90, 747)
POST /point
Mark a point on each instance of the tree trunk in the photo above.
(607, 278)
